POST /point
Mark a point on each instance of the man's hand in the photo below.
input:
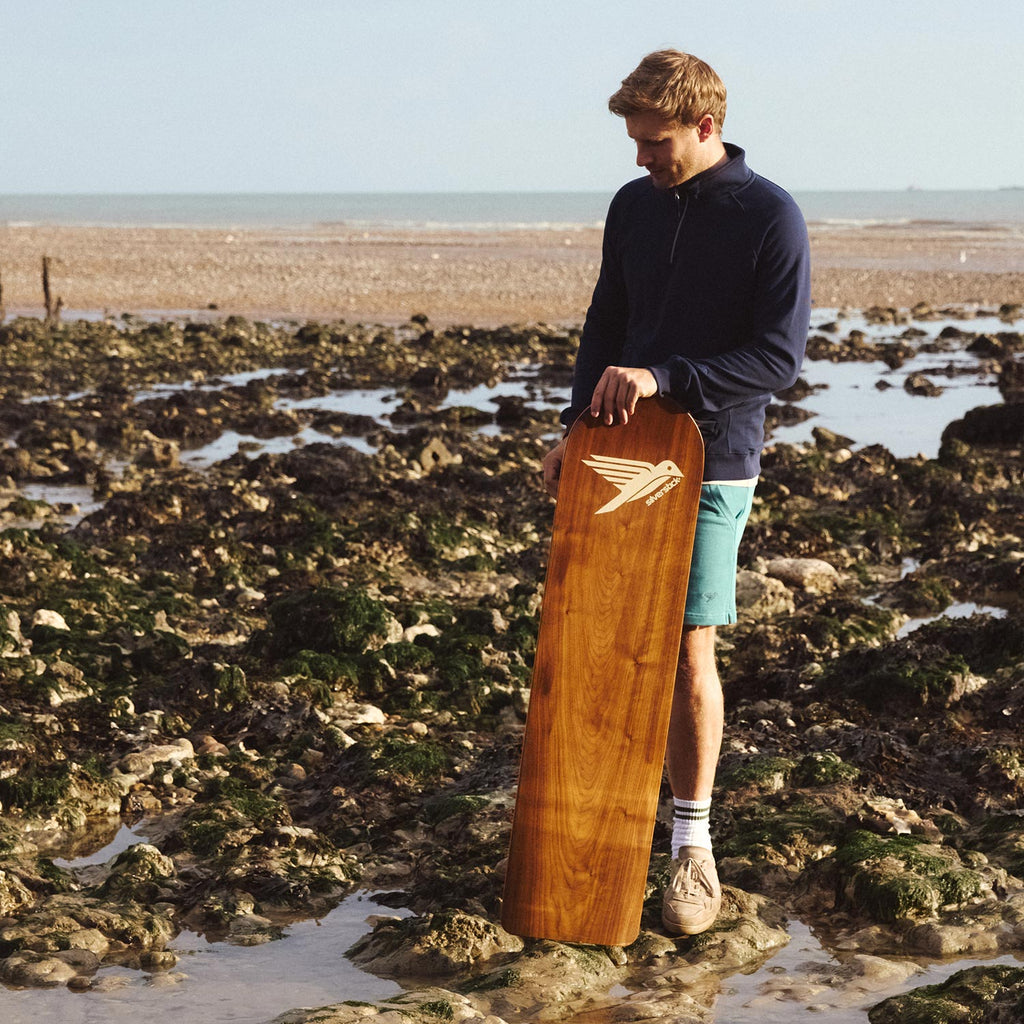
(553, 468)
(618, 391)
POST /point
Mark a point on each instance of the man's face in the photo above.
(670, 153)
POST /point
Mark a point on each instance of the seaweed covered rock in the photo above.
(139, 874)
(902, 878)
(978, 995)
(940, 663)
(80, 932)
(435, 945)
(426, 1005)
(344, 622)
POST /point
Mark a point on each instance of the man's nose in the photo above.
(642, 158)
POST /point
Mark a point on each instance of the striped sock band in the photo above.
(691, 824)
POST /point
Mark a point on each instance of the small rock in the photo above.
(434, 944)
(294, 772)
(166, 979)
(252, 930)
(436, 455)
(13, 893)
(35, 970)
(141, 762)
(919, 384)
(762, 595)
(46, 617)
(422, 629)
(91, 939)
(110, 983)
(813, 575)
(247, 596)
(346, 715)
(209, 745)
(829, 441)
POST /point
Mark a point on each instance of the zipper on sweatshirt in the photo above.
(681, 207)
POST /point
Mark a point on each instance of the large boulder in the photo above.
(988, 425)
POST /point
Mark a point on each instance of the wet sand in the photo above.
(483, 278)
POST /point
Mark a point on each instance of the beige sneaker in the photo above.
(694, 896)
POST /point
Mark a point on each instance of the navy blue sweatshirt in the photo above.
(708, 286)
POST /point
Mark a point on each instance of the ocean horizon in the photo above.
(479, 211)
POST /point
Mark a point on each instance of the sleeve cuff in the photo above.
(661, 378)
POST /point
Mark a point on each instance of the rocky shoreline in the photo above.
(307, 670)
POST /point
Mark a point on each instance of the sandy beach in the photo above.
(483, 278)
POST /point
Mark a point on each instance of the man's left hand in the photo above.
(618, 391)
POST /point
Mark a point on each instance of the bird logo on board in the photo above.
(635, 479)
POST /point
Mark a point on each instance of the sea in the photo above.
(479, 211)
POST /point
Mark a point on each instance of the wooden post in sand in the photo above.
(52, 309)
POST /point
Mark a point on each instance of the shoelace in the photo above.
(693, 883)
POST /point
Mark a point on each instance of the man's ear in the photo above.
(705, 127)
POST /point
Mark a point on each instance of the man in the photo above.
(704, 296)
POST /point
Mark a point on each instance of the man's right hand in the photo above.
(553, 468)
(617, 392)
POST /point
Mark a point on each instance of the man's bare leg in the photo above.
(698, 712)
(694, 895)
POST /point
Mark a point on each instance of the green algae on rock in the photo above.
(978, 995)
(435, 945)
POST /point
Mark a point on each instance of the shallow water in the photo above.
(854, 405)
(374, 402)
(231, 443)
(213, 981)
(228, 984)
(958, 610)
(908, 425)
(126, 836)
(219, 983)
(377, 403)
(786, 988)
(851, 403)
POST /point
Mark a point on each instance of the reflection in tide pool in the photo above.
(77, 495)
(373, 402)
(125, 837)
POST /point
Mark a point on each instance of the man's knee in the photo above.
(698, 645)
(697, 666)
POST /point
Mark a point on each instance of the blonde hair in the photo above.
(676, 85)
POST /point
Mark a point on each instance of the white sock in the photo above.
(691, 824)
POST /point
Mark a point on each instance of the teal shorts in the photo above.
(711, 592)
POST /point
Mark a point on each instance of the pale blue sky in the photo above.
(481, 95)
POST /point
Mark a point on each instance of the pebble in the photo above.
(49, 618)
